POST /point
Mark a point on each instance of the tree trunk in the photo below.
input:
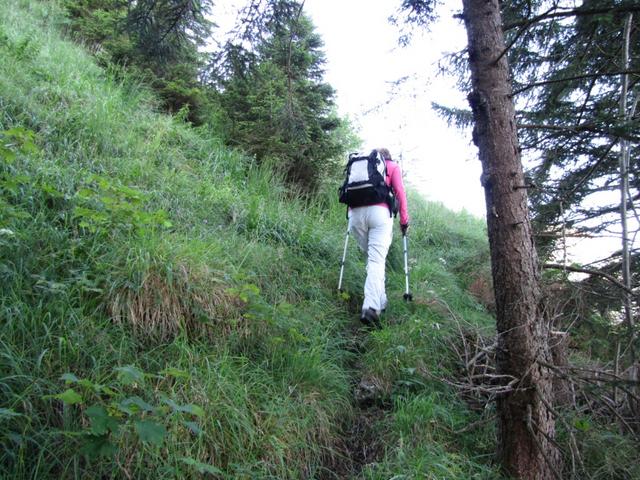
(563, 394)
(526, 427)
(625, 116)
(624, 191)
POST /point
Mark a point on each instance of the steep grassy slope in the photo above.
(168, 310)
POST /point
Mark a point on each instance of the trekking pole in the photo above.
(344, 256)
(407, 296)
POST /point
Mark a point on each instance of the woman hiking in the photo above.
(372, 227)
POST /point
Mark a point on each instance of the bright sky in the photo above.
(363, 62)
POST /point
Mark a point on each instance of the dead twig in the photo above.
(475, 425)
(573, 444)
(530, 426)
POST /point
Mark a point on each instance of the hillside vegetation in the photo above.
(169, 309)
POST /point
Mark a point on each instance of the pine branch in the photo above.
(289, 53)
(570, 128)
(592, 169)
(578, 12)
(585, 127)
(179, 13)
(586, 100)
(521, 32)
(614, 209)
(577, 77)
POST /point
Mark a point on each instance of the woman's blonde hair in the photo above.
(385, 153)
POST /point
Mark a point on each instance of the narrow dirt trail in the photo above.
(363, 437)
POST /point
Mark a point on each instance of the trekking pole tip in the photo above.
(408, 297)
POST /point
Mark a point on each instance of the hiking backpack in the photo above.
(365, 182)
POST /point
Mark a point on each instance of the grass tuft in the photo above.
(165, 306)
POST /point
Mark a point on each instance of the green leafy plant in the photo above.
(112, 412)
(14, 140)
(104, 205)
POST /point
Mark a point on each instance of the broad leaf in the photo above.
(129, 374)
(202, 467)
(101, 421)
(150, 432)
(69, 397)
(194, 427)
(133, 405)
(190, 408)
(97, 446)
(193, 410)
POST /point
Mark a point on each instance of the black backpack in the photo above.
(365, 182)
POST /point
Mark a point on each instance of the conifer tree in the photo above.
(567, 69)
(526, 427)
(576, 121)
(158, 38)
(567, 66)
(274, 95)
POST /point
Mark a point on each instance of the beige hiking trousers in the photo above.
(372, 228)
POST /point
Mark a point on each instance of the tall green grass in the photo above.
(123, 214)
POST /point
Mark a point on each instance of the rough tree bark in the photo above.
(526, 428)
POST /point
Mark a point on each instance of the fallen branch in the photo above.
(543, 451)
(591, 271)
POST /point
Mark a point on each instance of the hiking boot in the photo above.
(370, 318)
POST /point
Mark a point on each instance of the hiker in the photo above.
(372, 227)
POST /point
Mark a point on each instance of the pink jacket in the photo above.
(394, 179)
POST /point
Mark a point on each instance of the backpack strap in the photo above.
(392, 192)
